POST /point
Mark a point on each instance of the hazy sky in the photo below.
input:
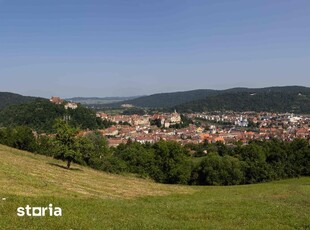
(137, 47)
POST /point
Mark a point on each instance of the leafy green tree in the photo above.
(172, 162)
(66, 144)
(298, 162)
(138, 158)
(94, 146)
(218, 170)
(20, 137)
(6, 136)
(23, 138)
(45, 145)
(255, 167)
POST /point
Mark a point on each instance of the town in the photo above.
(208, 127)
(228, 128)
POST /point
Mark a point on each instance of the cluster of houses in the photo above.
(59, 101)
(165, 120)
(225, 128)
(229, 127)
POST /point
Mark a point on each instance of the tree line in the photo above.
(169, 162)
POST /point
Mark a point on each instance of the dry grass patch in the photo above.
(27, 174)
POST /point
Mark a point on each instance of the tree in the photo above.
(20, 137)
(172, 163)
(255, 167)
(217, 170)
(139, 159)
(94, 147)
(66, 144)
(24, 139)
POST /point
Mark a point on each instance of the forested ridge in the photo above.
(276, 99)
(288, 101)
(41, 114)
(7, 99)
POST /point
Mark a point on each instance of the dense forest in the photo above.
(166, 100)
(267, 99)
(170, 162)
(7, 99)
(288, 101)
(41, 114)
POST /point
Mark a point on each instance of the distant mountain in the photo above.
(274, 99)
(99, 100)
(166, 100)
(7, 99)
(282, 99)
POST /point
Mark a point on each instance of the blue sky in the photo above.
(138, 47)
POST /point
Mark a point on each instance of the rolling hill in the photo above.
(166, 100)
(293, 100)
(7, 99)
(96, 200)
(40, 115)
(280, 99)
(99, 100)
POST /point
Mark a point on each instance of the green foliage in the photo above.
(8, 99)
(166, 100)
(165, 162)
(83, 118)
(217, 170)
(40, 115)
(138, 159)
(132, 111)
(45, 146)
(20, 137)
(24, 139)
(67, 146)
(274, 100)
(298, 159)
(169, 162)
(279, 99)
(172, 162)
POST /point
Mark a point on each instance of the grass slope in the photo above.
(96, 200)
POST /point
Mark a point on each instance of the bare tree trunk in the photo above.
(68, 164)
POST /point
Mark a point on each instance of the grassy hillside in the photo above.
(96, 200)
(7, 99)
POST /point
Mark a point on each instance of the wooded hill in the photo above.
(278, 99)
(41, 114)
(7, 99)
(98, 100)
(166, 100)
(295, 100)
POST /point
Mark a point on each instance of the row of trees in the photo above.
(169, 162)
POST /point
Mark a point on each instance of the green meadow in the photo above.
(96, 200)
